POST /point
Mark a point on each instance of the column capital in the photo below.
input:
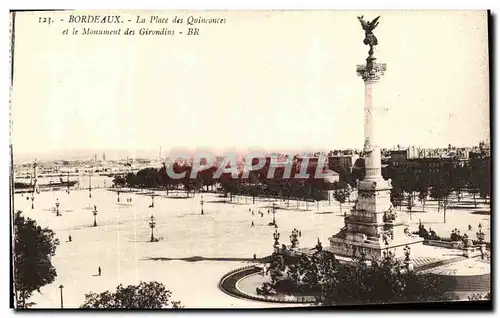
(371, 73)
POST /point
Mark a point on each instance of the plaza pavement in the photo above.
(120, 243)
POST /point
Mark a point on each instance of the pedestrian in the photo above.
(470, 227)
(300, 233)
(268, 212)
(69, 238)
(99, 271)
(253, 213)
(254, 256)
(253, 224)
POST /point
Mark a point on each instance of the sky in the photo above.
(272, 80)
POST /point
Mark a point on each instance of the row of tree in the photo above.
(256, 184)
(440, 184)
(408, 184)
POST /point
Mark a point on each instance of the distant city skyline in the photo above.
(117, 154)
(280, 82)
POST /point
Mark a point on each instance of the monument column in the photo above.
(373, 226)
(371, 73)
(369, 131)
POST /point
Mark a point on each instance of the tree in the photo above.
(207, 177)
(441, 193)
(480, 297)
(299, 273)
(148, 178)
(397, 196)
(410, 203)
(479, 177)
(383, 281)
(473, 188)
(485, 179)
(408, 182)
(152, 295)
(484, 193)
(119, 181)
(33, 251)
(438, 192)
(422, 196)
(340, 193)
(459, 180)
(130, 179)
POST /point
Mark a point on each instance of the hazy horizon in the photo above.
(113, 154)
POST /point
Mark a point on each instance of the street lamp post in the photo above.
(480, 235)
(94, 212)
(32, 200)
(276, 236)
(201, 203)
(409, 263)
(90, 185)
(118, 196)
(61, 288)
(152, 225)
(293, 238)
(152, 201)
(57, 207)
(407, 251)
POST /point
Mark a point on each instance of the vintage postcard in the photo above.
(249, 159)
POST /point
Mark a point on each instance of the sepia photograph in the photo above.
(250, 159)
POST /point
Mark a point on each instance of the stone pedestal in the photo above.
(373, 226)
(468, 252)
(482, 248)
(294, 248)
(410, 265)
(276, 249)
